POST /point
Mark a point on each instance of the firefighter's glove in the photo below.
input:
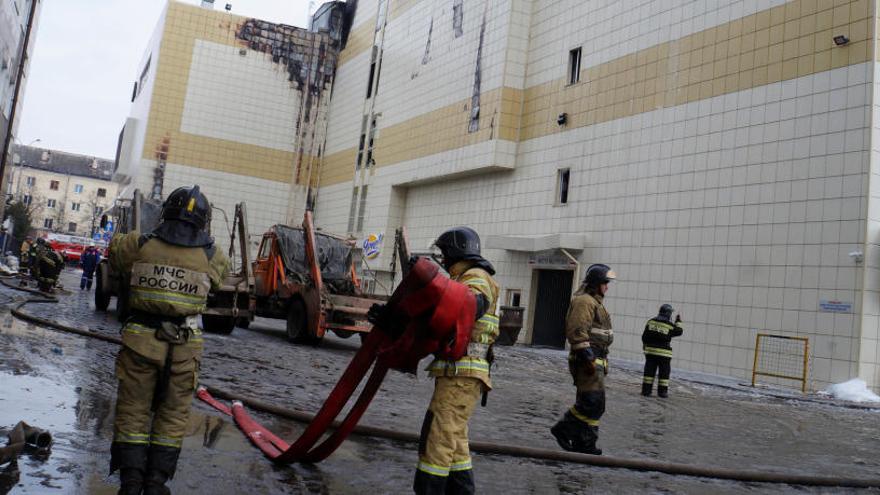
(587, 358)
(378, 316)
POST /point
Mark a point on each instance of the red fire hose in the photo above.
(429, 306)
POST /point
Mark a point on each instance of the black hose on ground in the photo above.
(504, 449)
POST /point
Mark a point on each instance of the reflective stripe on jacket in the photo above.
(485, 330)
(657, 337)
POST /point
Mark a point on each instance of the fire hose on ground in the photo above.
(268, 441)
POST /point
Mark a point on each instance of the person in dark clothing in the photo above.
(89, 261)
(656, 340)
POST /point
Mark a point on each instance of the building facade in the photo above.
(66, 193)
(721, 156)
(234, 104)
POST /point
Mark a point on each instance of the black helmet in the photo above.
(599, 274)
(187, 204)
(665, 312)
(462, 244)
(459, 243)
(41, 241)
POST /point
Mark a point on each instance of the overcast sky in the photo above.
(86, 58)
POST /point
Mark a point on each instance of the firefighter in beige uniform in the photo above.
(444, 457)
(170, 273)
(588, 329)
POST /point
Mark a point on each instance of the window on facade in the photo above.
(50, 203)
(26, 199)
(71, 227)
(102, 193)
(370, 80)
(362, 209)
(142, 81)
(75, 206)
(562, 186)
(513, 297)
(47, 223)
(53, 185)
(353, 209)
(360, 158)
(99, 209)
(574, 65)
(30, 181)
(78, 189)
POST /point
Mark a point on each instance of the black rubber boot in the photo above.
(131, 460)
(589, 436)
(646, 389)
(160, 468)
(460, 483)
(663, 392)
(429, 484)
(567, 433)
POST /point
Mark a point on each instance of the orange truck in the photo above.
(309, 279)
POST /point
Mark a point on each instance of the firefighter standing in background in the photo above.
(46, 265)
(444, 456)
(89, 261)
(657, 339)
(589, 334)
(170, 272)
(25, 252)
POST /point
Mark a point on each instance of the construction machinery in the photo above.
(309, 279)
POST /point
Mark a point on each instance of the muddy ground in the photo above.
(65, 383)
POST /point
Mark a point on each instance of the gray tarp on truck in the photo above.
(334, 255)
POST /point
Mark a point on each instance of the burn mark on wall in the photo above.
(161, 155)
(478, 73)
(458, 17)
(427, 56)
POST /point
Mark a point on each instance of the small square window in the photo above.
(75, 206)
(102, 193)
(574, 65)
(53, 185)
(50, 203)
(71, 227)
(47, 223)
(30, 181)
(562, 181)
(514, 297)
(78, 189)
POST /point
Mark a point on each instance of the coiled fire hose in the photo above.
(488, 447)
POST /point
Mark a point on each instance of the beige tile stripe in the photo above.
(184, 23)
(360, 39)
(785, 42)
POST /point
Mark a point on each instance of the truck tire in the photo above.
(223, 325)
(243, 323)
(297, 324)
(102, 295)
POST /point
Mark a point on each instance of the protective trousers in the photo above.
(578, 430)
(654, 363)
(444, 457)
(85, 282)
(146, 366)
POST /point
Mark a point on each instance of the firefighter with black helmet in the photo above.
(444, 457)
(46, 266)
(170, 273)
(589, 334)
(657, 344)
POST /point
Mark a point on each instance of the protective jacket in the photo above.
(476, 362)
(90, 260)
(658, 334)
(588, 323)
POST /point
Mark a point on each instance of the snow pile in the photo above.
(855, 390)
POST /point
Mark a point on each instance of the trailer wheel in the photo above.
(243, 323)
(223, 325)
(102, 297)
(297, 323)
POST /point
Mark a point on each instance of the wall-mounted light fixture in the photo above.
(841, 40)
(562, 119)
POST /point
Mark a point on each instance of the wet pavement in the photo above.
(65, 383)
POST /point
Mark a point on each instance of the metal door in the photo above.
(551, 306)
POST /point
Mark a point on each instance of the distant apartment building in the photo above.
(236, 105)
(66, 192)
(721, 156)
